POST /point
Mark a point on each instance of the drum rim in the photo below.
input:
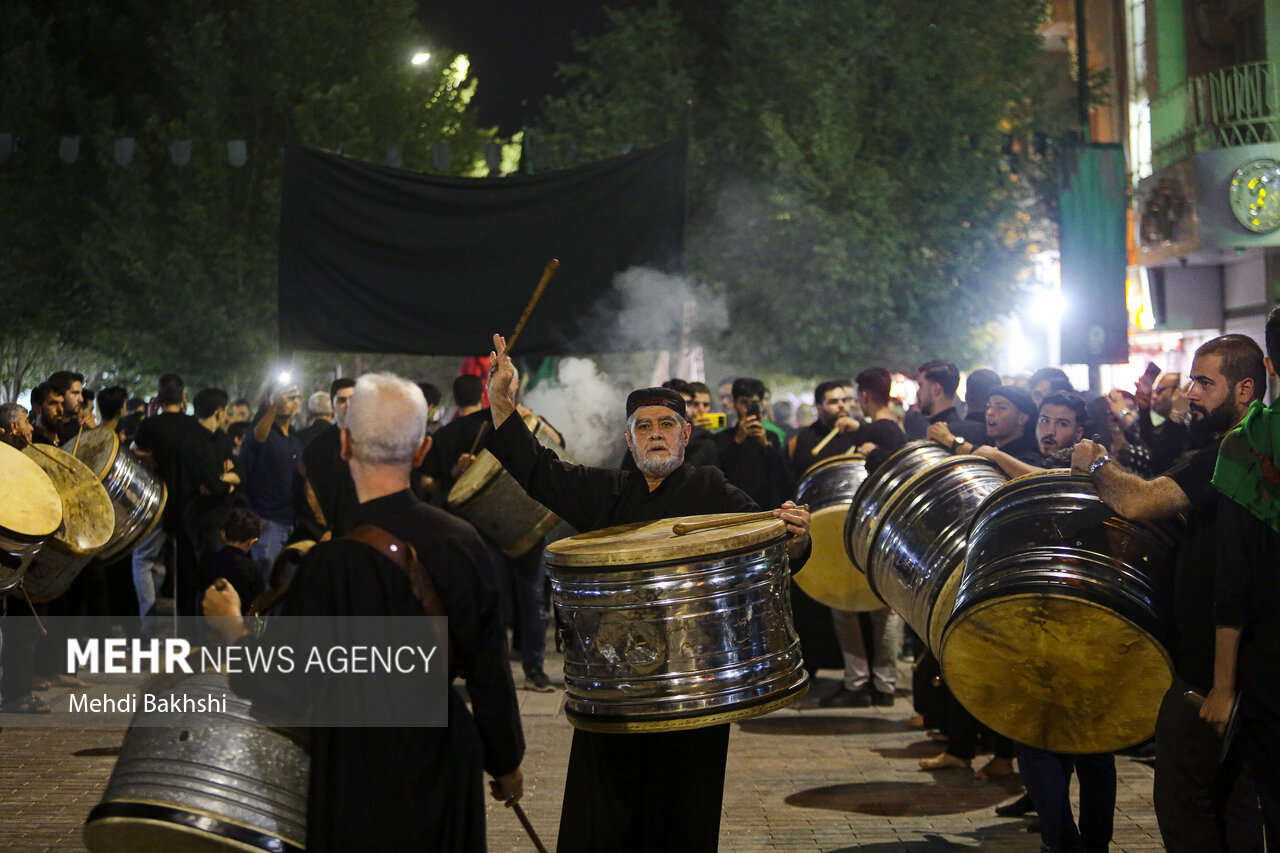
(95, 488)
(675, 722)
(853, 456)
(36, 538)
(597, 568)
(137, 809)
(472, 472)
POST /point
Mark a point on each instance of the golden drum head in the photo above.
(30, 506)
(96, 448)
(829, 576)
(88, 519)
(656, 542)
(475, 478)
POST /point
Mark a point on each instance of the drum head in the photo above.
(30, 506)
(88, 518)
(1062, 674)
(830, 577)
(655, 542)
(475, 478)
(96, 448)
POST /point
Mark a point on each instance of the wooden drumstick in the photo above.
(34, 615)
(528, 827)
(683, 527)
(550, 270)
(484, 427)
(817, 448)
(79, 432)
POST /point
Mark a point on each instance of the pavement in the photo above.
(812, 779)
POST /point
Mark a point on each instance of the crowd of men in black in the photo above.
(242, 487)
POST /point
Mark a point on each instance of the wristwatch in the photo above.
(956, 443)
(1098, 463)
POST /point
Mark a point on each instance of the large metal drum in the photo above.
(87, 522)
(919, 545)
(204, 782)
(137, 496)
(666, 632)
(30, 512)
(829, 576)
(1056, 638)
(490, 498)
(864, 516)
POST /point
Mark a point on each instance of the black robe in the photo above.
(644, 791)
(406, 788)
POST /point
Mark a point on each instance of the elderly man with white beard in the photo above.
(652, 790)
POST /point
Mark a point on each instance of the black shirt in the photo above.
(1024, 448)
(450, 442)
(239, 570)
(1193, 574)
(203, 457)
(974, 432)
(329, 476)
(308, 433)
(1247, 596)
(162, 436)
(1166, 442)
(759, 470)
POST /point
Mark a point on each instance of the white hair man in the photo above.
(612, 798)
(401, 788)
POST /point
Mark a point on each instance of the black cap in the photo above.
(1020, 397)
(655, 397)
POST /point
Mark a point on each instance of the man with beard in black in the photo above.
(644, 791)
(1202, 803)
(937, 382)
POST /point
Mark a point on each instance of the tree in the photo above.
(173, 267)
(847, 184)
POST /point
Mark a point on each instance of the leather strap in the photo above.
(403, 555)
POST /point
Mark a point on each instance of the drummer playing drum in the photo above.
(620, 793)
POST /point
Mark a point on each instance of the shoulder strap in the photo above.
(403, 555)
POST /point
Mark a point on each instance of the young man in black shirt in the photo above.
(1011, 418)
(750, 455)
(1201, 802)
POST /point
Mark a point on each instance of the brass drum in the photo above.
(829, 576)
(919, 545)
(867, 511)
(30, 512)
(137, 495)
(490, 498)
(212, 782)
(87, 522)
(666, 632)
(1055, 640)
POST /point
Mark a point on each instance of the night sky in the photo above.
(513, 46)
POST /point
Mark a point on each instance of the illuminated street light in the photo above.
(421, 58)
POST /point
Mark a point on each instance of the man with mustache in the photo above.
(649, 790)
(1201, 803)
(1059, 426)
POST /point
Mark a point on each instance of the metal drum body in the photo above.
(919, 545)
(211, 782)
(87, 523)
(30, 512)
(137, 496)
(665, 633)
(867, 511)
(1055, 640)
(828, 488)
(491, 499)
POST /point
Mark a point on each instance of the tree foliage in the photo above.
(158, 267)
(847, 187)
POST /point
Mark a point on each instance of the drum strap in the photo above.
(406, 557)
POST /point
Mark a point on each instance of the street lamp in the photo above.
(421, 58)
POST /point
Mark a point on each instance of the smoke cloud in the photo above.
(586, 409)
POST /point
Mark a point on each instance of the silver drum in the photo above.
(663, 632)
(137, 495)
(210, 782)
(920, 545)
(1064, 599)
(867, 511)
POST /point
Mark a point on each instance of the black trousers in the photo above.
(21, 632)
(1203, 804)
(1258, 739)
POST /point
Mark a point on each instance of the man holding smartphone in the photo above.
(750, 456)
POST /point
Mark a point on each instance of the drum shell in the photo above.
(1066, 598)
(208, 780)
(504, 512)
(678, 645)
(920, 543)
(52, 571)
(18, 552)
(138, 496)
(829, 577)
(867, 511)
